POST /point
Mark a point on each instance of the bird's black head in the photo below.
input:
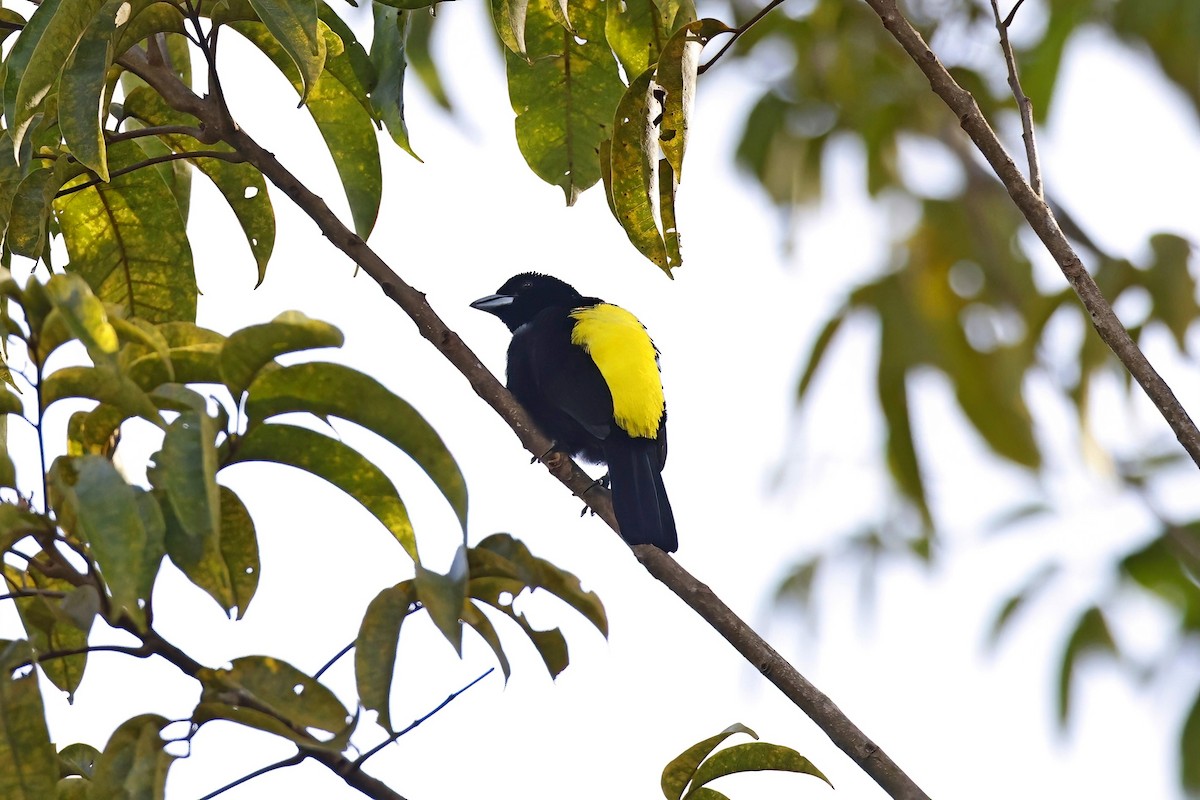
(524, 296)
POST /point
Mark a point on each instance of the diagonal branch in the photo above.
(210, 111)
(1039, 216)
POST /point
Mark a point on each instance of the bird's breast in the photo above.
(628, 361)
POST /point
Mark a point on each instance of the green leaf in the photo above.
(680, 771)
(38, 57)
(242, 186)
(105, 385)
(636, 31)
(272, 695)
(565, 98)
(185, 473)
(499, 593)
(28, 764)
(420, 33)
(106, 514)
(1020, 599)
(1189, 749)
(78, 759)
(293, 24)
(346, 127)
(30, 213)
(127, 239)
(817, 352)
(239, 549)
(388, 55)
(376, 646)
(444, 596)
(1171, 286)
(134, 763)
(472, 616)
(93, 432)
(1090, 635)
(247, 351)
(325, 389)
(16, 523)
(536, 573)
(50, 628)
(668, 186)
(338, 464)
(195, 352)
(677, 71)
(8, 470)
(84, 315)
(753, 757)
(82, 107)
(509, 18)
(634, 153)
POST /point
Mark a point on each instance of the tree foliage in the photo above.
(102, 130)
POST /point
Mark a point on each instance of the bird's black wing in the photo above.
(560, 384)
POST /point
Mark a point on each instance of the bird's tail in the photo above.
(639, 497)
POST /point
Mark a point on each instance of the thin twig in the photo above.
(222, 155)
(774, 667)
(290, 761)
(737, 33)
(157, 130)
(358, 762)
(32, 593)
(317, 675)
(1040, 218)
(1024, 104)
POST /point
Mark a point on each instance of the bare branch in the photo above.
(290, 761)
(221, 155)
(359, 761)
(1041, 219)
(1024, 105)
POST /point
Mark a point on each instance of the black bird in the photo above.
(587, 372)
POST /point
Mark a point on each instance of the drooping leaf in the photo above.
(420, 33)
(1090, 635)
(668, 186)
(677, 76)
(272, 695)
(388, 53)
(444, 596)
(509, 18)
(679, 772)
(185, 474)
(38, 56)
(78, 759)
(478, 621)
(84, 316)
(326, 389)
(28, 763)
(1189, 749)
(242, 186)
(239, 549)
(338, 464)
(564, 98)
(536, 573)
(345, 125)
(82, 105)
(89, 492)
(636, 31)
(134, 763)
(126, 238)
(293, 24)
(1019, 600)
(50, 629)
(248, 350)
(634, 156)
(195, 352)
(376, 646)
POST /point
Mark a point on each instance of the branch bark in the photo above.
(1039, 216)
(864, 752)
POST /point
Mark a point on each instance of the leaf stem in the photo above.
(222, 155)
(1024, 105)
(737, 33)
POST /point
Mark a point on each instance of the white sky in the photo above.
(911, 671)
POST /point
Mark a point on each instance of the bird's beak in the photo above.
(493, 302)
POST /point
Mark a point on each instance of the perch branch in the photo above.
(699, 597)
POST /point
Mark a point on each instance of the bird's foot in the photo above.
(602, 481)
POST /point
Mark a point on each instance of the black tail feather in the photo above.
(639, 497)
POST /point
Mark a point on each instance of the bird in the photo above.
(588, 374)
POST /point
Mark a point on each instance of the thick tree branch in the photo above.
(774, 667)
(1039, 216)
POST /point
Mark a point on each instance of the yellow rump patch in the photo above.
(622, 350)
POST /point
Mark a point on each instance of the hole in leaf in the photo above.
(298, 689)
(251, 191)
(505, 598)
